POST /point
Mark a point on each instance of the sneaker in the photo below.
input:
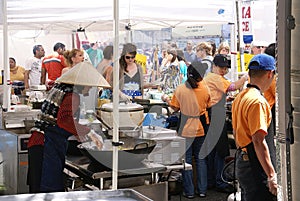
(202, 195)
(188, 196)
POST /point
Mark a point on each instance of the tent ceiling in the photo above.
(95, 15)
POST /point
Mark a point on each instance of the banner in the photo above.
(197, 31)
(247, 58)
(142, 61)
(247, 22)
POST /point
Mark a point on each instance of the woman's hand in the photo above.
(97, 139)
(165, 97)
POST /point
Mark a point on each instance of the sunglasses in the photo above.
(129, 57)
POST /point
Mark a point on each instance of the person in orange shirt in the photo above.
(217, 138)
(251, 117)
(53, 65)
(192, 99)
(270, 95)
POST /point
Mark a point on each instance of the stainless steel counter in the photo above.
(108, 195)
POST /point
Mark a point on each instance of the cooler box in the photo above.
(169, 149)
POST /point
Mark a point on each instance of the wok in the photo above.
(131, 153)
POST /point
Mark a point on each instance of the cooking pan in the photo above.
(131, 153)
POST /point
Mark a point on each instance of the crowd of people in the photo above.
(205, 92)
(193, 81)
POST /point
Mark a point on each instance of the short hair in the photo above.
(206, 47)
(270, 50)
(108, 52)
(36, 48)
(223, 45)
(58, 45)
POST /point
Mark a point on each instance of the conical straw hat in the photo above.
(84, 74)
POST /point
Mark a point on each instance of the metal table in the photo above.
(78, 166)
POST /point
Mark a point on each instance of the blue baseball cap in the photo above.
(262, 62)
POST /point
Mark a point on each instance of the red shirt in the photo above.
(65, 120)
(54, 65)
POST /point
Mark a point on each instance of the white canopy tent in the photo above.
(67, 16)
(94, 15)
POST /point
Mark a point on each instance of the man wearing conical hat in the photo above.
(59, 120)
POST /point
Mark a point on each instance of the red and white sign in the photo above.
(246, 17)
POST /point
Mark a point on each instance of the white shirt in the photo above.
(34, 66)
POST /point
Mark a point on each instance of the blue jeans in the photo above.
(193, 146)
(215, 168)
(55, 149)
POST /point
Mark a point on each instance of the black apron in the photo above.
(259, 174)
(183, 119)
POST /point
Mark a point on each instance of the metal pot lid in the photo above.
(123, 107)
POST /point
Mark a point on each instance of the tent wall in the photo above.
(21, 48)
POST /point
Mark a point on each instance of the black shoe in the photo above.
(227, 189)
(188, 196)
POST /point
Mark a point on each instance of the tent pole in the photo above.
(233, 48)
(6, 84)
(240, 34)
(285, 135)
(115, 95)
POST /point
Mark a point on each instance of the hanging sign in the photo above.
(246, 21)
(247, 58)
(142, 61)
(197, 31)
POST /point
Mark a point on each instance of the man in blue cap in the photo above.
(251, 116)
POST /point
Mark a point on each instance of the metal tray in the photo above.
(106, 195)
(150, 132)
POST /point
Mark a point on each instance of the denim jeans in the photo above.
(55, 148)
(252, 189)
(193, 146)
(215, 167)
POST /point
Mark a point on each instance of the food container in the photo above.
(130, 114)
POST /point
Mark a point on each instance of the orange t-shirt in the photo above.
(217, 85)
(250, 113)
(192, 102)
(269, 94)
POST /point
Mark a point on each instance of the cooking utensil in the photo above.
(123, 131)
(131, 153)
(130, 114)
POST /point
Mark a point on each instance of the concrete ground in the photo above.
(212, 195)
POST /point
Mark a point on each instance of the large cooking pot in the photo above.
(131, 153)
(130, 114)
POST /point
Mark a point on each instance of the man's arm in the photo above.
(262, 152)
(43, 76)
(26, 78)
